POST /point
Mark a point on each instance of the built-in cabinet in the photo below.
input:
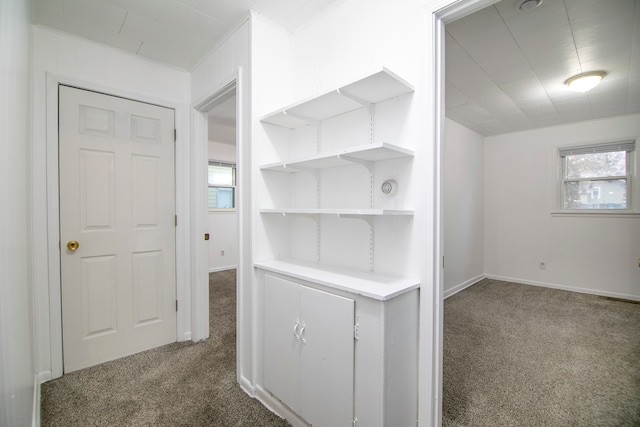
(337, 345)
(309, 349)
(331, 356)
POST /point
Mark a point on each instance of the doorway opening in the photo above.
(222, 216)
(222, 186)
(442, 17)
(217, 166)
(483, 115)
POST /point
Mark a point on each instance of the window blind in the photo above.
(223, 164)
(598, 148)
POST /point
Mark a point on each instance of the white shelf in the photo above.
(370, 285)
(374, 88)
(368, 152)
(339, 212)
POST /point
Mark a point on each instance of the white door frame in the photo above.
(199, 159)
(441, 17)
(50, 220)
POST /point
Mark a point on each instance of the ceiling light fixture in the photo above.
(525, 5)
(586, 81)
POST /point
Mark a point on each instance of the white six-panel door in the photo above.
(117, 202)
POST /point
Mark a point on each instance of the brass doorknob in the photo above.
(72, 245)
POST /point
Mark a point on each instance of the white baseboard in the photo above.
(270, 402)
(35, 412)
(44, 376)
(246, 386)
(38, 379)
(564, 287)
(278, 408)
(41, 377)
(462, 286)
(226, 267)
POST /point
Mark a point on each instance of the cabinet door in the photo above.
(309, 351)
(327, 358)
(281, 345)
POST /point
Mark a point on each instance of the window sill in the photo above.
(596, 214)
(223, 210)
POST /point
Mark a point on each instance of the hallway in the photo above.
(180, 384)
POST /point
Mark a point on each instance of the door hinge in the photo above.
(176, 305)
(175, 219)
(443, 262)
(354, 423)
(356, 331)
(175, 135)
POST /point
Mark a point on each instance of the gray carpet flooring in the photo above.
(514, 355)
(181, 384)
(517, 355)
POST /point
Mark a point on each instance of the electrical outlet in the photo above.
(542, 265)
(222, 252)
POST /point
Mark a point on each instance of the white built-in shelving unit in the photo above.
(375, 286)
(363, 154)
(365, 92)
(336, 327)
(362, 94)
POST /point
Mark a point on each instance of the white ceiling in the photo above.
(505, 68)
(177, 32)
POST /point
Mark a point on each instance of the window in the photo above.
(597, 177)
(222, 185)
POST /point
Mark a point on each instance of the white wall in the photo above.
(57, 56)
(17, 372)
(582, 253)
(353, 39)
(222, 152)
(357, 38)
(350, 41)
(223, 231)
(272, 87)
(230, 61)
(223, 226)
(464, 208)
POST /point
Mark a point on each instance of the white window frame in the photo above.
(633, 198)
(234, 186)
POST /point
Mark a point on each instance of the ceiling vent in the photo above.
(525, 5)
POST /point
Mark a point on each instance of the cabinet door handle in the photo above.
(295, 330)
(304, 341)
